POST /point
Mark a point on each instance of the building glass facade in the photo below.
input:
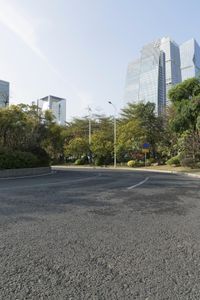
(162, 85)
(190, 59)
(162, 64)
(4, 93)
(172, 63)
(150, 75)
(145, 80)
(132, 82)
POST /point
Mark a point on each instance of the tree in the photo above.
(25, 128)
(141, 122)
(77, 148)
(186, 90)
(102, 146)
(54, 142)
(77, 139)
(130, 138)
(185, 99)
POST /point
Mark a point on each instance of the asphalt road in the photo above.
(100, 234)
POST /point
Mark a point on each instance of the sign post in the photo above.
(145, 150)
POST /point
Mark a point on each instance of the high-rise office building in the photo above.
(161, 65)
(132, 82)
(56, 105)
(190, 59)
(4, 93)
(146, 77)
(172, 63)
(152, 76)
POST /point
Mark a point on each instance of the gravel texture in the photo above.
(83, 234)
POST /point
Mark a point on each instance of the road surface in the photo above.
(100, 234)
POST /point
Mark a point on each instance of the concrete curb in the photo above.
(191, 175)
(170, 172)
(9, 173)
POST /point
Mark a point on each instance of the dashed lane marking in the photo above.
(138, 184)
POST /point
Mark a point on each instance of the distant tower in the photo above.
(56, 105)
(172, 63)
(151, 76)
(190, 59)
(4, 93)
(145, 79)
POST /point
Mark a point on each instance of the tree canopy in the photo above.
(176, 133)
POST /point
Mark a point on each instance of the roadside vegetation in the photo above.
(29, 137)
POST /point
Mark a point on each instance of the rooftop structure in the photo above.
(56, 105)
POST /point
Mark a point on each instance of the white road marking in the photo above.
(28, 176)
(45, 184)
(138, 184)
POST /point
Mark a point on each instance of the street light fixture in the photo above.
(115, 134)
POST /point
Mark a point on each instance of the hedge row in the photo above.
(19, 159)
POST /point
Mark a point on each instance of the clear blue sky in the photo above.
(79, 49)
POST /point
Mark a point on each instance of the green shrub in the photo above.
(135, 163)
(131, 163)
(79, 162)
(174, 161)
(99, 161)
(140, 163)
(152, 160)
(148, 162)
(17, 160)
(188, 162)
(42, 156)
(198, 164)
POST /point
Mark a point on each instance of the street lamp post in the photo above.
(90, 134)
(90, 126)
(115, 134)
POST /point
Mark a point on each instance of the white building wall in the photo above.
(56, 105)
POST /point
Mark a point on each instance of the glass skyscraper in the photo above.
(132, 82)
(152, 76)
(4, 93)
(172, 63)
(161, 65)
(190, 59)
(145, 79)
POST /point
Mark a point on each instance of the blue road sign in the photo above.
(146, 146)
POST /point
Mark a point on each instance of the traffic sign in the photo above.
(146, 146)
(145, 150)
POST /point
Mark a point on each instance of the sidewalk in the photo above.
(174, 170)
(159, 169)
(171, 170)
